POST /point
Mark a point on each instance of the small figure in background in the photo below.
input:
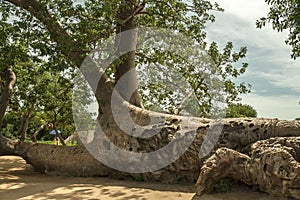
(56, 138)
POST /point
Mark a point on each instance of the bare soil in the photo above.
(18, 180)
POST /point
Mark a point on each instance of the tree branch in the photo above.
(6, 93)
(138, 10)
(34, 135)
(68, 46)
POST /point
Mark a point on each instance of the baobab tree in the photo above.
(71, 31)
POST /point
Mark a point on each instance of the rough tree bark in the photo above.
(236, 133)
(10, 79)
(124, 43)
(273, 165)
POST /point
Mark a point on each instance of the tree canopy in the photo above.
(47, 39)
(285, 15)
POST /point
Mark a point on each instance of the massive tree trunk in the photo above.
(237, 134)
(10, 79)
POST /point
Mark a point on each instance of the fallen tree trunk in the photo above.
(55, 160)
(77, 161)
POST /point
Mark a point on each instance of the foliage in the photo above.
(240, 110)
(10, 125)
(26, 47)
(285, 15)
(45, 46)
(57, 98)
(183, 80)
(168, 96)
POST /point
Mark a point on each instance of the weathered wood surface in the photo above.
(273, 165)
(236, 135)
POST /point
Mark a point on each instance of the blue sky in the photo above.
(274, 76)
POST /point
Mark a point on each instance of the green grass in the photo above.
(46, 142)
(52, 142)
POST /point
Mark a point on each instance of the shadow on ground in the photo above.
(20, 181)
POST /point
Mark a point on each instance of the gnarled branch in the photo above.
(6, 92)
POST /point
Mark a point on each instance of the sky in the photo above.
(274, 76)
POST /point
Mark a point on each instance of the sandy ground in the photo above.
(20, 181)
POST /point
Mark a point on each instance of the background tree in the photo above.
(25, 99)
(285, 15)
(11, 53)
(25, 45)
(240, 110)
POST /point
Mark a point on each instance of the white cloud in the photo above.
(286, 77)
(281, 107)
(229, 26)
(249, 10)
(274, 75)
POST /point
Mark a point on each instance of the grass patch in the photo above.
(222, 186)
(46, 142)
(52, 142)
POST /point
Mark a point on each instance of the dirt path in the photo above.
(19, 181)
